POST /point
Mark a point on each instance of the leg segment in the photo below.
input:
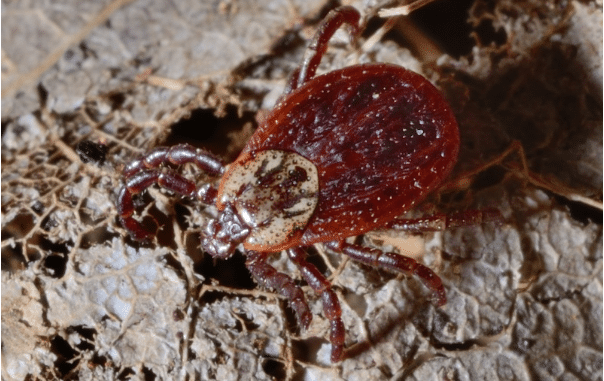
(146, 171)
(178, 154)
(318, 46)
(267, 276)
(396, 262)
(440, 222)
(331, 304)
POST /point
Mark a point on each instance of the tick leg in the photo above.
(312, 57)
(146, 171)
(140, 181)
(396, 262)
(439, 222)
(331, 304)
(178, 154)
(267, 276)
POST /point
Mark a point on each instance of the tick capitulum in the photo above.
(341, 154)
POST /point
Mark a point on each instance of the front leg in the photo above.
(140, 181)
(267, 276)
(149, 169)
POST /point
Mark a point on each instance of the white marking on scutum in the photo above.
(258, 204)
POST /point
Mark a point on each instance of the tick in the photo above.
(340, 154)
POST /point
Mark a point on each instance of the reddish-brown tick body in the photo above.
(341, 154)
(381, 137)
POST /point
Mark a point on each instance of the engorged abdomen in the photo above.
(381, 137)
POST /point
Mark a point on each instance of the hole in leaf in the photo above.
(98, 236)
(204, 129)
(116, 99)
(149, 374)
(91, 152)
(125, 374)
(274, 368)
(306, 350)
(87, 334)
(581, 212)
(65, 354)
(486, 33)
(56, 265)
(19, 226)
(446, 22)
(229, 272)
(249, 322)
(12, 258)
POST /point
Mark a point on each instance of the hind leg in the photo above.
(396, 262)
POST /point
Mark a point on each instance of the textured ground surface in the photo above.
(80, 300)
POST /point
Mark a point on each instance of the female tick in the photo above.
(341, 154)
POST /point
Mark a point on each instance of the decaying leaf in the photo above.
(81, 300)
